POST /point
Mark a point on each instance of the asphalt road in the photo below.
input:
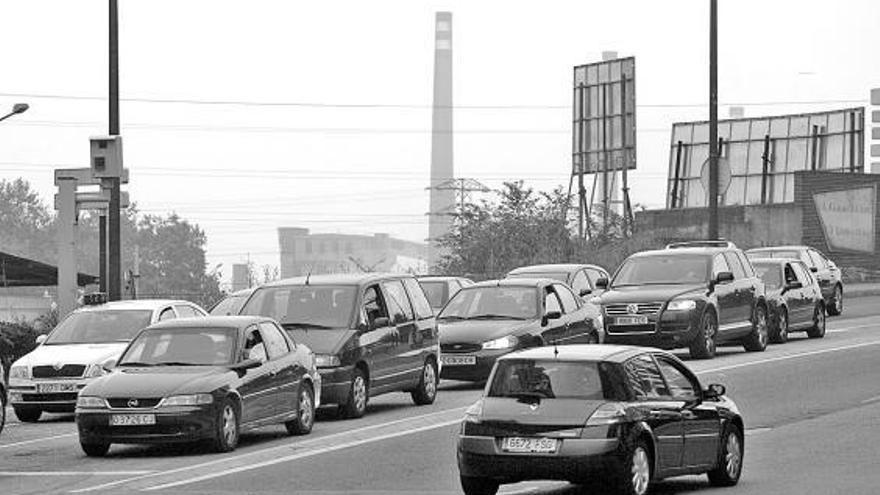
(812, 412)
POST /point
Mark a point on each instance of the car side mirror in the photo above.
(247, 364)
(724, 277)
(109, 365)
(41, 338)
(380, 322)
(551, 315)
(814, 269)
(585, 292)
(602, 283)
(794, 285)
(714, 391)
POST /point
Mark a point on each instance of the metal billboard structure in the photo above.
(763, 154)
(603, 136)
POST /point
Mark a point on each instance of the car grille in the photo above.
(648, 309)
(67, 371)
(453, 348)
(59, 397)
(127, 403)
(612, 329)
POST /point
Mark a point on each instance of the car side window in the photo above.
(374, 305)
(276, 344)
(719, 265)
(398, 302)
(802, 274)
(184, 311)
(790, 274)
(735, 265)
(551, 301)
(679, 385)
(580, 282)
(420, 303)
(167, 314)
(593, 275)
(817, 260)
(644, 378)
(746, 264)
(568, 299)
(254, 347)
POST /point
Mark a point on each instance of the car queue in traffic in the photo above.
(157, 371)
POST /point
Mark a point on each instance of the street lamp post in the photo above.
(16, 109)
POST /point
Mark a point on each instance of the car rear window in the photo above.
(550, 379)
(435, 292)
(770, 274)
(774, 254)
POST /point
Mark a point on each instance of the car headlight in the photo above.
(327, 360)
(94, 371)
(19, 373)
(87, 402)
(187, 400)
(505, 342)
(682, 305)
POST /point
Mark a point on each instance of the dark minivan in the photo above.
(371, 333)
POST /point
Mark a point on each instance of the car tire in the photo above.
(27, 414)
(358, 395)
(730, 458)
(817, 331)
(426, 391)
(757, 340)
(227, 427)
(305, 412)
(703, 345)
(636, 473)
(779, 334)
(472, 485)
(95, 449)
(835, 305)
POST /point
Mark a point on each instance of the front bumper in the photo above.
(24, 393)
(335, 385)
(173, 425)
(477, 372)
(668, 330)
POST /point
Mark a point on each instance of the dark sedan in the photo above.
(621, 415)
(794, 298)
(581, 278)
(200, 379)
(490, 319)
(824, 270)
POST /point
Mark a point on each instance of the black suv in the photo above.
(694, 295)
(371, 333)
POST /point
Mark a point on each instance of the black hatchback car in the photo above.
(620, 415)
(372, 333)
(825, 271)
(794, 299)
(581, 278)
(691, 296)
(492, 318)
(200, 379)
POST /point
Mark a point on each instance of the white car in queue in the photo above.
(81, 348)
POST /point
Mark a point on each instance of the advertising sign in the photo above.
(848, 218)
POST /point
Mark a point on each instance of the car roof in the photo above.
(514, 282)
(779, 248)
(682, 251)
(142, 304)
(241, 292)
(566, 267)
(228, 321)
(775, 261)
(338, 279)
(582, 352)
(439, 278)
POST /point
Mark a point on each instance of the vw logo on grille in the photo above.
(632, 309)
(57, 366)
(133, 403)
(534, 406)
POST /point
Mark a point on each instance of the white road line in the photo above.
(847, 329)
(272, 449)
(300, 455)
(872, 399)
(72, 473)
(36, 440)
(787, 357)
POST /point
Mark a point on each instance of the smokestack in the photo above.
(442, 200)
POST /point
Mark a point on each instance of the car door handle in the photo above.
(663, 414)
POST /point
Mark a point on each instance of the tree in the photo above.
(25, 222)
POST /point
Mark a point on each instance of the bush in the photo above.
(16, 339)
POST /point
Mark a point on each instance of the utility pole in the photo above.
(713, 120)
(114, 233)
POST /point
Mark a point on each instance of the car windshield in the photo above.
(106, 325)
(770, 273)
(562, 277)
(181, 347)
(435, 292)
(518, 303)
(662, 269)
(313, 306)
(774, 253)
(548, 379)
(228, 306)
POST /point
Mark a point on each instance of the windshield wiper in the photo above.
(490, 316)
(176, 363)
(528, 397)
(452, 317)
(134, 363)
(304, 325)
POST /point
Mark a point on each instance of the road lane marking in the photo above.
(847, 329)
(286, 446)
(757, 431)
(36, 440)
(787, 357)
(72, 473)
(872, 399)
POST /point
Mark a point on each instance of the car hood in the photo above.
(323, 340)
(649, 293)
(51, 354)
(476, 331)
(156, 382)
(567, 413)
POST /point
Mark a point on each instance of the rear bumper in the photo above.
(175, 425)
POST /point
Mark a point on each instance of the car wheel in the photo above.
(95, 449)
(636, 470)
(703, 345)
(817, 331)
(305, 412)
(27, 414)
(426, 392)
(835, 306)
(226, 436)
(478, 486)
(779, 335)
(358, 395)
(757, 340)
(730, 458)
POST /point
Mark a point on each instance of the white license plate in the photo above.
(631, 320)
(458, 360)
(132, 419)
(54, 388)
(529, 445)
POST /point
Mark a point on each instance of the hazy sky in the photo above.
(332, 126)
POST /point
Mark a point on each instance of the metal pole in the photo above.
(606, 182)
(66, 238)
(852, 142)
(627, 211)
(114, 234)
(102, 252)
(814, 146)
(765, 171)
(676, 178)
(713, 120)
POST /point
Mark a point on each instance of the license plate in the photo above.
(132, 419)
(458, 360)
(529, 445)
(631, 320)
(54, 388)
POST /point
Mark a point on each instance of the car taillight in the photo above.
(607, 414)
